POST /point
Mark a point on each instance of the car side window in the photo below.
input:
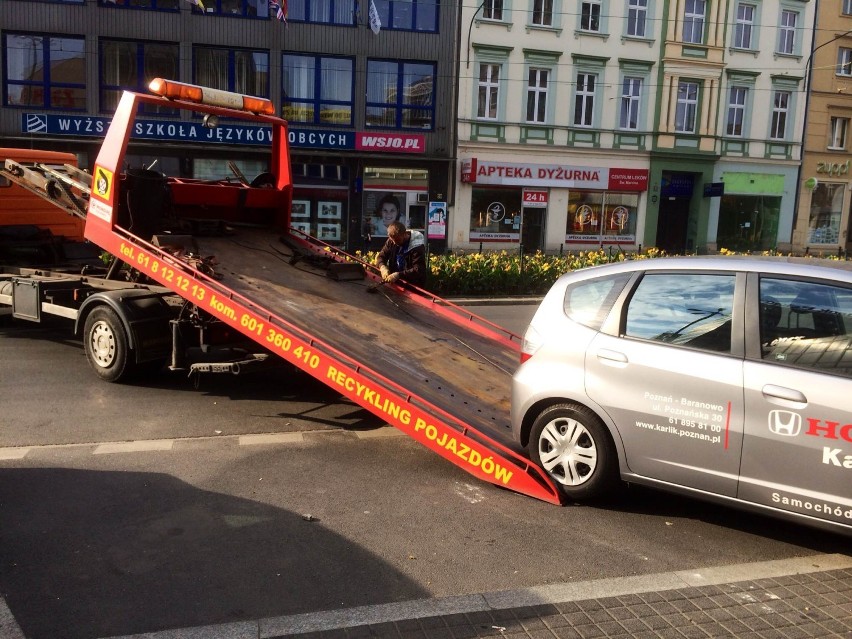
(589, 302)
(684, 309)
(806, 324)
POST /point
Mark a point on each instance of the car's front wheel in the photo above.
(573, 446)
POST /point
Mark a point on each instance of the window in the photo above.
(584, 99)
(780, 107)
(844, 61)
(787, 32)
(847, 7)
(490, 207)
(744, 26)
(542, 13)
(317, 89)
(234, 70)
(492, 10)
(839, 126)
(806, 324)
(687, 107)
(407, 15)
(489, 87)
(593, 217)
(132, 65)
(736, 111)
(400, 94)
(590, 15)
(589, 302)
(241, 8)
(326, 11)
(537, 95)
(48, 72)
(150, 5)
(637, 16)
(693, 21)
(631, 91)
(683, 309)
(748, 222)
(826, 211)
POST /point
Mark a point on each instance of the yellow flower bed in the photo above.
(505, 273)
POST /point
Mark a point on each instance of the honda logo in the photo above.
(783, 422)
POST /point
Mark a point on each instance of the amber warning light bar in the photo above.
(213, 97)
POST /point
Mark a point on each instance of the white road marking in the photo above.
(13, 453)
(271, 438)
(140, 446)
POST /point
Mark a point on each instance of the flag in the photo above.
(198, 3)
(375, 21)
(280, 9)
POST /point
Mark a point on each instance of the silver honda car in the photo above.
(727, 378)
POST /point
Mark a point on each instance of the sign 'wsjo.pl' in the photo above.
(225, 133)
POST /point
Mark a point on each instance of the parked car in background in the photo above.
(727, 378)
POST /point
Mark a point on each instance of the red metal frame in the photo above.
(433, 427)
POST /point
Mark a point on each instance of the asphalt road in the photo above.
(138, 508)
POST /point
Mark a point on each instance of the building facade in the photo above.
(556, 115)
(370, 103)
(731, 112)
(825, 185)
(674, 124)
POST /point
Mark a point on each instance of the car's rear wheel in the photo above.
(574, 448)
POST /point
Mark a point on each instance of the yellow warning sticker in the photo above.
(103, 182)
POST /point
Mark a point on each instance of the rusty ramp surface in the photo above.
(458, 370)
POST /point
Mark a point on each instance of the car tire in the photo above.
(106, 344)
(574, 448)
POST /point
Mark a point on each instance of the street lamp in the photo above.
(469, 29)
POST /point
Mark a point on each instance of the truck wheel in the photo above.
(573, 446)
(106, 345)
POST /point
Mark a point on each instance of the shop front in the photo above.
(753, 211)
(341, 179)
(824, 210)
(547, 207)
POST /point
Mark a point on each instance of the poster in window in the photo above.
(304, 227)
(329, 210)
(381, 209)
(437, 227)
(328, 232)
(300, 208)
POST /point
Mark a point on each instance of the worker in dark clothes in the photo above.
(403, 256)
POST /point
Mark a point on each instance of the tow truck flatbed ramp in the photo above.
(443, 385)
(465, 374)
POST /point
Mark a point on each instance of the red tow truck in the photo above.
(208, 276)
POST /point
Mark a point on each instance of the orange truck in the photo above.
(34, 230)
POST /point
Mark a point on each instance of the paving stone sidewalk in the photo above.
(817, 604)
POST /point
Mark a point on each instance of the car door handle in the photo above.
(612, 356)
(771, 391)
